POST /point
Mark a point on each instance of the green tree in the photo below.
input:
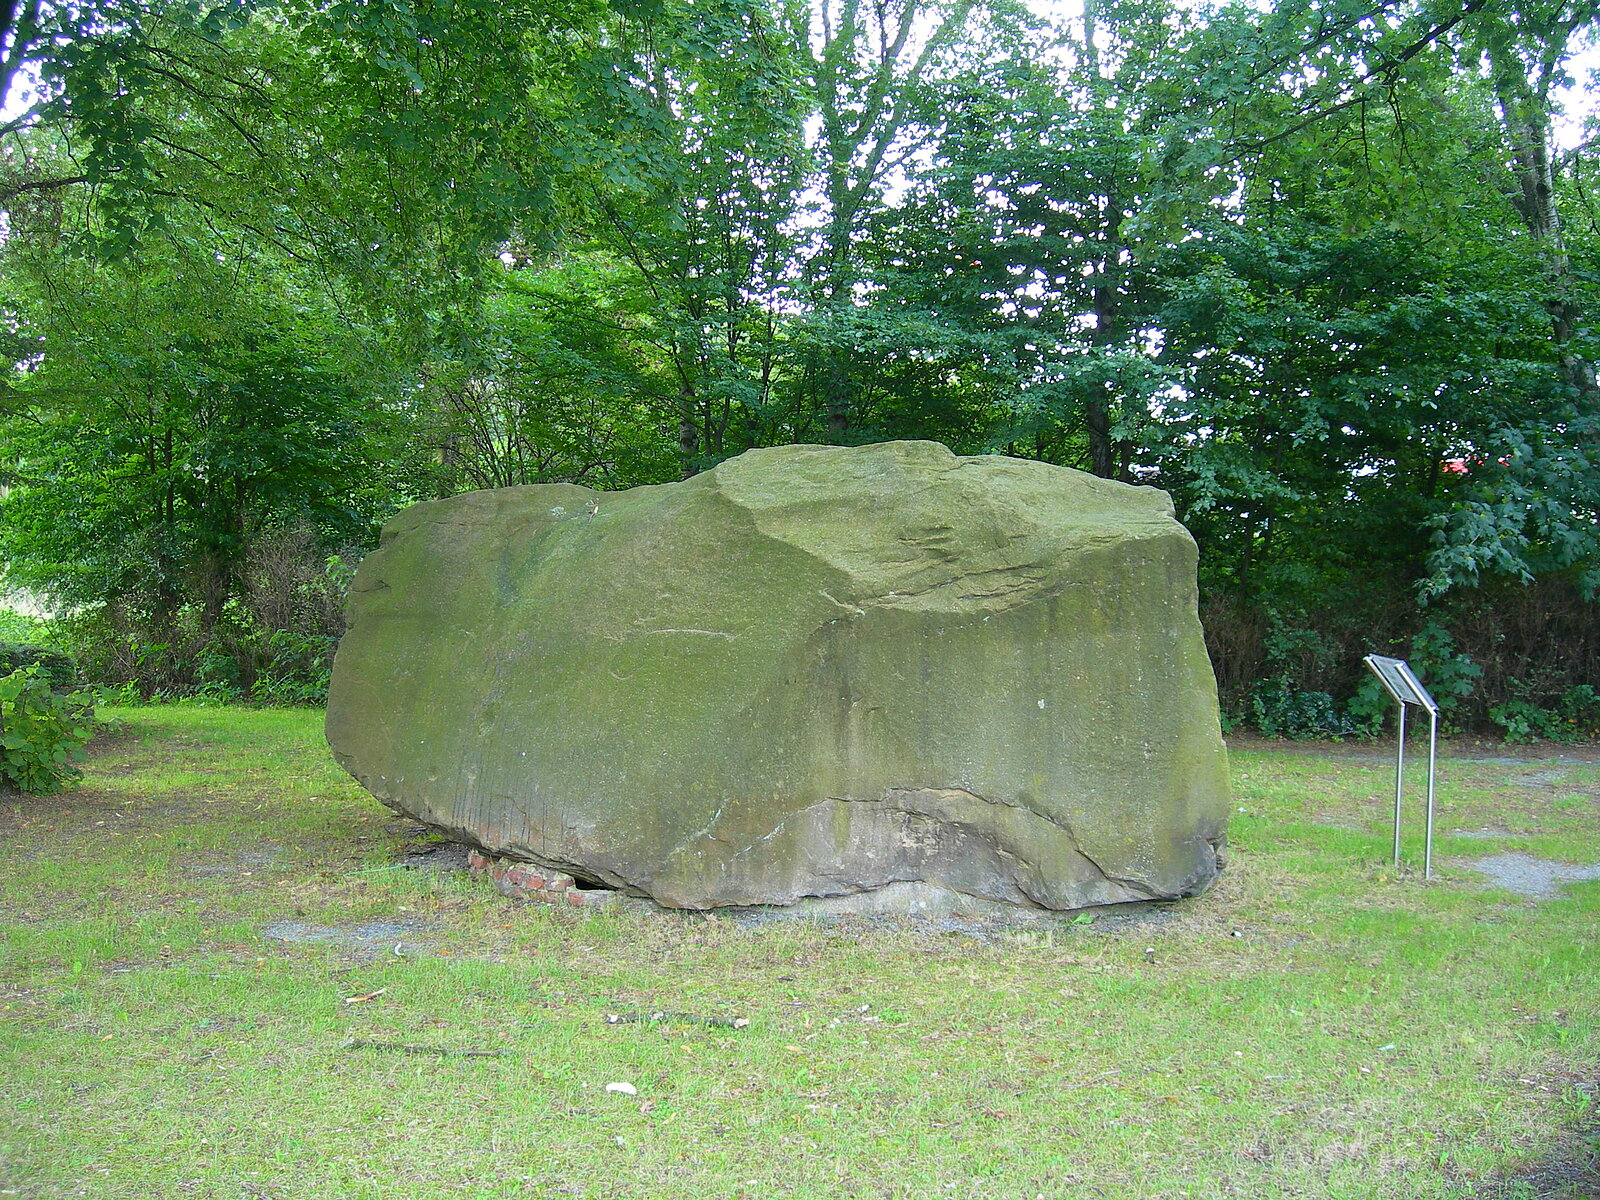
(173, 417)
(872, 70)
(712, 249)
(1031, 220)
(1449, 110)
(559, 385)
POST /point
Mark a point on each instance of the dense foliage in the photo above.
(42, 731)
(1322, 271)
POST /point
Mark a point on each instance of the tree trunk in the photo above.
(836, 393)
(1107, 455)
(1097, 416)
(1525, 112)
(688, 433)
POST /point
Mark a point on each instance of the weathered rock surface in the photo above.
(881, 671)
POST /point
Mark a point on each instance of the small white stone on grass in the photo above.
(627, 1089)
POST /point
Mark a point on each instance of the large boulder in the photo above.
(882, 673)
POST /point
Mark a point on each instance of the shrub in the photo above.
(1279, 709)
(299, 669)
(57, 667)
(1506, 656)
(1450, 676)
(272, 645)
(42, 731)
(1574, 717)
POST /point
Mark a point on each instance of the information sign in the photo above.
(1402, 683)
(1396, 676)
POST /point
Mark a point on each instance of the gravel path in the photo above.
(1538, 878)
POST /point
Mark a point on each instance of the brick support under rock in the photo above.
(528, 881)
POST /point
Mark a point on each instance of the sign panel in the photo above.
(1397, 677)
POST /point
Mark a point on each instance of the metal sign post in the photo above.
(1406, 688)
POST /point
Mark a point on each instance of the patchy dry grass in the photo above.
(185, 934)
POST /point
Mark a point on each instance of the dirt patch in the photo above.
(1537, 878)
(370, 937)
(1571, 1169)
(1540, 779)
(1572, 1172)
(435, 856)
(246, 863)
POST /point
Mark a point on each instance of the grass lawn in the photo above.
(215, 982)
